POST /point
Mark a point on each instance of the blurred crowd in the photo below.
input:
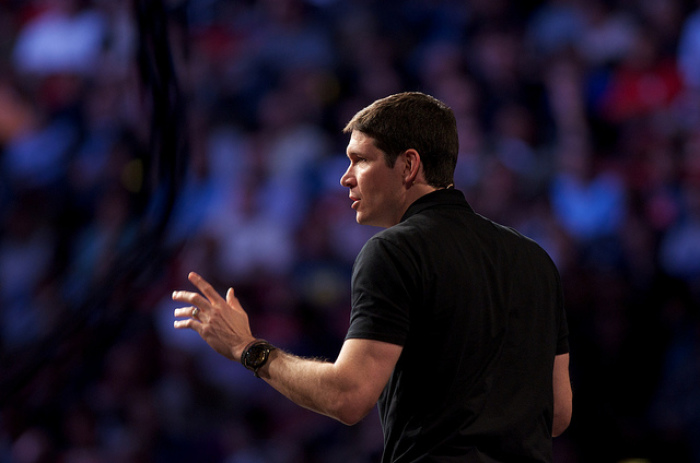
(579, 125)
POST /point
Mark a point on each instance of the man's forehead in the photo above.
(360, 141)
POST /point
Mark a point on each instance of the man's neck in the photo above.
(415, 192)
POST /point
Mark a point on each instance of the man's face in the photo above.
(375, 189)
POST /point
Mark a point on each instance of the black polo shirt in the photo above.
(478, 310)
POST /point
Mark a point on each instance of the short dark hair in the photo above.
(413, 120)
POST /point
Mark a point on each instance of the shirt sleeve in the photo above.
(563, 333)
(563, 339)
(381, 293)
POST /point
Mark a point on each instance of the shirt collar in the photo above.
(448, 196)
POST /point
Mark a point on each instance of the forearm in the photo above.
(316, 385)
(346, 389)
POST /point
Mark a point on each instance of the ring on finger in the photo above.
(195, 312)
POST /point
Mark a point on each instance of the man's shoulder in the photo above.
(385, 239)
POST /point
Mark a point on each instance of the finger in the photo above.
(190, 323)
(230, 298)
(195, 299)
(187, 312)
(204, 286)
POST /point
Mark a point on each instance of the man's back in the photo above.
(478, 310)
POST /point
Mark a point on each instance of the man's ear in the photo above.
(412, 166)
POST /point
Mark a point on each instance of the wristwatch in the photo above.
(255, 355)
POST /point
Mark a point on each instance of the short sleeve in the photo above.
(563, 332)
(381, 293)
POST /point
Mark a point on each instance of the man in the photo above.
(457, 327)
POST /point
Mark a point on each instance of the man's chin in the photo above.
(363, 220)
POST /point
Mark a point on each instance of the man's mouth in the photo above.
(355, 202)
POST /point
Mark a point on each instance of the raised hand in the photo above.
(222, 323)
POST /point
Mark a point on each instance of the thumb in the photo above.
(230, 298)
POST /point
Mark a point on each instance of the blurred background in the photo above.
(140, 140)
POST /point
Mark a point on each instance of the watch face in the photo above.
(256, 355)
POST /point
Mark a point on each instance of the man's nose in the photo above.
(345, 179)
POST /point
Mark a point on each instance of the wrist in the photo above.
(256, 354)
(240, 349)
